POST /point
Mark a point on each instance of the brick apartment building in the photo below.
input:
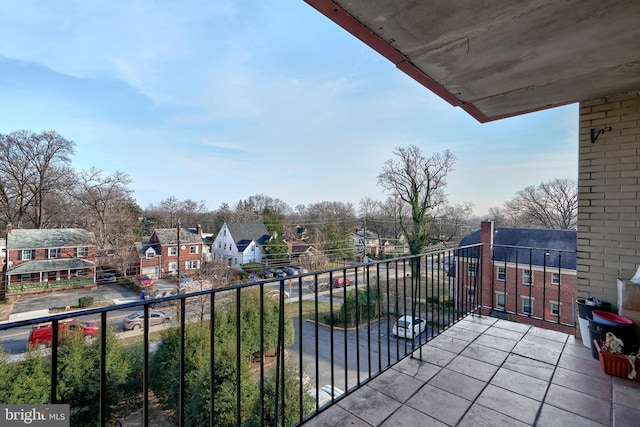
(529, 272)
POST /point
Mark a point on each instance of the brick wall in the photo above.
(608, 195)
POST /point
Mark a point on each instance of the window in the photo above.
(527, 277)
(24, 278)
(219, 245)
(527, 305)
(471, 269)
(150, 254)
(191, 265)
(173, 251)
(555, 308)
(555, 278)
(26, 254)
(471, 294)
(193, 249)
(501, 299)
(82, 252)
(52, 253)
(225, 246)
(502, 273)
(80, 272)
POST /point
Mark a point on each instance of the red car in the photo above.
(145, 280)
(42, 335)
(339, 282)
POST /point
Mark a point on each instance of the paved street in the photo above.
(372, 345)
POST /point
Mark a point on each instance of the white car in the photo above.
(409, 327)
(332, 390)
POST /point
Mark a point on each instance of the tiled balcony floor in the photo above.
(489, 372)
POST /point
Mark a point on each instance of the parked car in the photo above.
(136, 320)
(332, 390)
(339, 282)
(290, 271)
(145, 280)
(107, 278)
(324, 398)
(279, 273)
(41, 335)
(265, 274)
(409, 327)
(300, 270)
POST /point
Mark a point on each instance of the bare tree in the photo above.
(450, 222)
(169, 211)
(329, 226)
(105, 205)
(32, 167)
(418, 181)
(552, 204)
(270, 211)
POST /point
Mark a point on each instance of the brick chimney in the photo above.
(9, 228)
(199, 230)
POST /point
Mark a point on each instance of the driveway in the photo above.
(61, 299)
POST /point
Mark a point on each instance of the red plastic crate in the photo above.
(616, 364)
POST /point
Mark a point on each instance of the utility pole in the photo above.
(178, 246)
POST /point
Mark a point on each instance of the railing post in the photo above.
(486, 251)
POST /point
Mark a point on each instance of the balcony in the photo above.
(493, 372)
(469, 366)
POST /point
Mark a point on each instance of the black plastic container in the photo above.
(586, 307)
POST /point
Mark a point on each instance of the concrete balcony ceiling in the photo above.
(496, 58)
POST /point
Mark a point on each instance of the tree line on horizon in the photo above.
(40, 189)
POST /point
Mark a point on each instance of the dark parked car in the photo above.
(279, 273)
(290, 271)
(265, 274)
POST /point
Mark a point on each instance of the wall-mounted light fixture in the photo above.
(595, 133)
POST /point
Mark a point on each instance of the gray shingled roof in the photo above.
(513, 244)
(23, 238)
(141, 248)
(169, 236)
(51, 265)
(248, 231)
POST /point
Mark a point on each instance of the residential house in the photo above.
(530, 272)
(166, 250)
(240, 243)
(41, 259)
(365, 243)
(297, 248)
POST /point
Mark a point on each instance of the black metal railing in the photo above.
(279, 351)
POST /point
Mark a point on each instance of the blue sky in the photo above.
(221, 100)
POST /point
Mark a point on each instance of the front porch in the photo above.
(484, 371)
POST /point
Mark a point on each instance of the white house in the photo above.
(240, 243)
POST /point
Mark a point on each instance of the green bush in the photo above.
(78, 377)
(85, 301)
(165, 377)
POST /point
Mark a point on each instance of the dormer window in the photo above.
(150, 253)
